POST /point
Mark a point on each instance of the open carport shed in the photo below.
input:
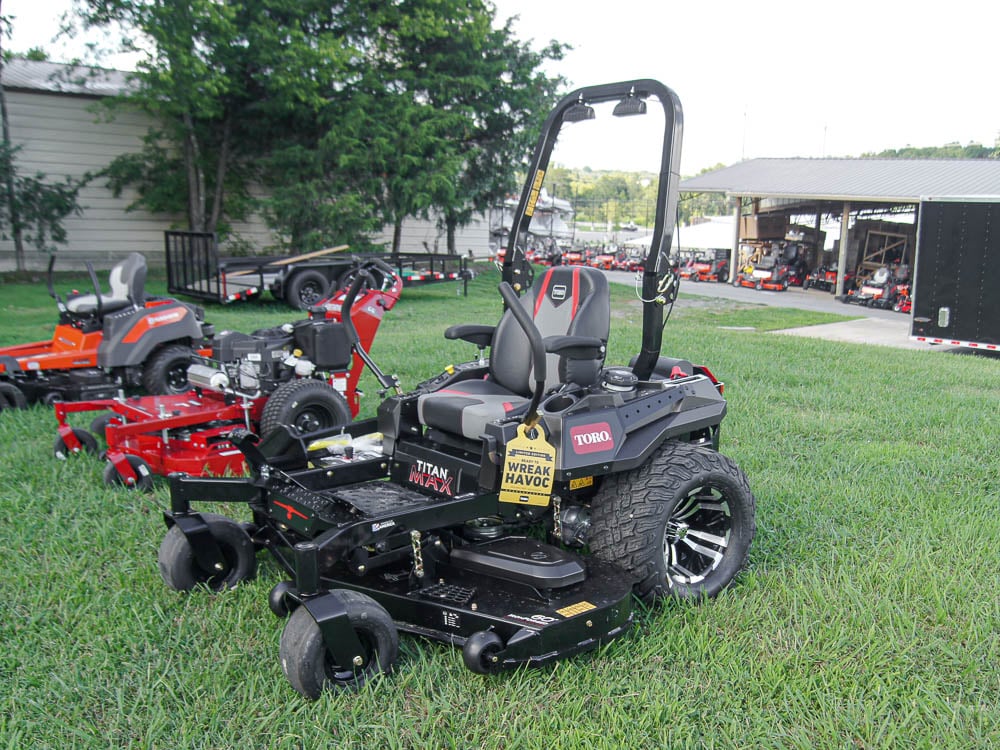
(842, 187)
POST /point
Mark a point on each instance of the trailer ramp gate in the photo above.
(195, 269)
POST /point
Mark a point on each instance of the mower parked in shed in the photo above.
(515, 504)
(705, 268)
(303, 374)
(104, 343)
(882, 289)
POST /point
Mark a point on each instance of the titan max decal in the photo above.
(424, 474)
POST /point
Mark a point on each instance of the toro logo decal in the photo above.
(591, 438)
(425, 474)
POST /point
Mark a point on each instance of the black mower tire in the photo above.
(306, 289)
(480, 652)
(88, 444)
(348, 277)
(144, 475)
(278, 600)
(652, 522)
(306, 405)
(165, 372)
(12, 397)
(99, 424)
(310, 668)
(180, 571)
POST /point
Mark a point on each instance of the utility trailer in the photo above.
(195, 269)
(957, 273)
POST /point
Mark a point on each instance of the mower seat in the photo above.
(127, 281)
(566, 301)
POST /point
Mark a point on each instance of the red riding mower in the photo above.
(603, 259)
(106, 343)
(825, 278)
(882, 289)
(303, 374)
(705, 269)
(517, 502)
(774, 270)
(904, 302)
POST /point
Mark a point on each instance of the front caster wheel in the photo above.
(88, 444)
(310, 667)
(278, 599)
(180, 570)
(481, 652)
(143, 475)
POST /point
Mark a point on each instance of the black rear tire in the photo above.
(306, 289)
(311, 669)
(681, 523)
(180, 570)
(166, 371)
(306, 405)
(12, 397)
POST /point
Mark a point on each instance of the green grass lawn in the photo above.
(868, 616)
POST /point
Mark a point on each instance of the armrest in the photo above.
(479, 335)
(575, 347)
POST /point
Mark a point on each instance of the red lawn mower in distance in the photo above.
(104, 343)
(303, 374)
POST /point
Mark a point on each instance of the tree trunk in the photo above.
(195, 178)
(12, 209)
(220, 175)
(450, 227)
(397, 235)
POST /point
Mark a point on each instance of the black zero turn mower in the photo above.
(512, 505)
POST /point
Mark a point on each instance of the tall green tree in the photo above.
(489, 91)
(223, 81)
(441, 111)
(353, 114)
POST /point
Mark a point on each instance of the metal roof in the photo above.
(32, 75)
(852, 180)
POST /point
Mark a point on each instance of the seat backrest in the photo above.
(567, 300)
(128, 279)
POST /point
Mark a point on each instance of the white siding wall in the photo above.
(421, 235)
(62, 134)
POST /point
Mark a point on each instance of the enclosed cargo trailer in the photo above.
(957, 275)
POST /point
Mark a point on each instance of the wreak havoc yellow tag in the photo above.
(528, 470)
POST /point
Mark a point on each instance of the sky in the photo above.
(773, 78)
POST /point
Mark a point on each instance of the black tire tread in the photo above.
(281, 405)
(299, 280)
(176, 558)
(303, 653)
(88, 444)
(154, 374)
(144, 483)
(628, 511)
(12, 397)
